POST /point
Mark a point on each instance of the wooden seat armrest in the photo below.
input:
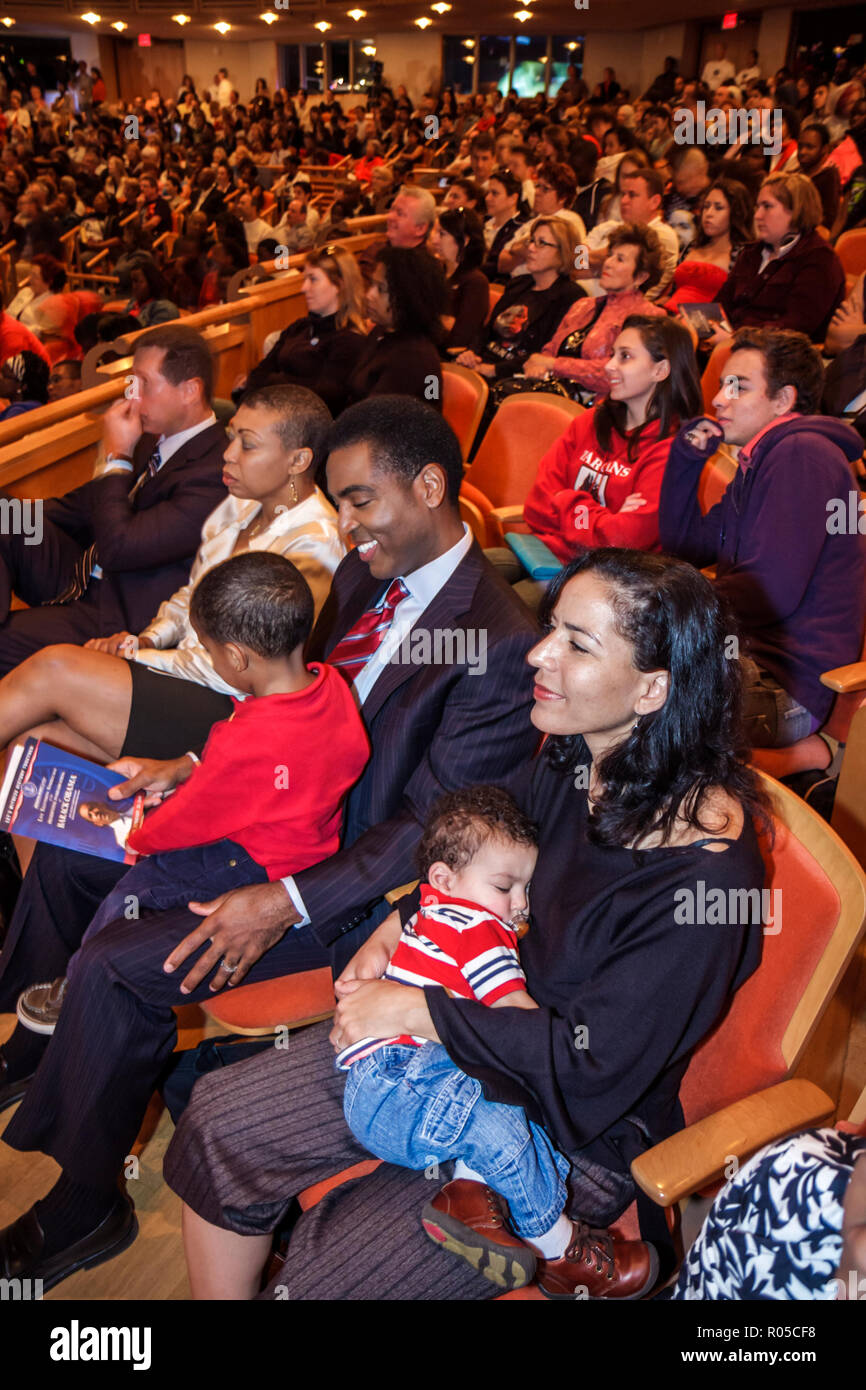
(511, 513)
(397, 893)
(699, 1154)
(845, 679)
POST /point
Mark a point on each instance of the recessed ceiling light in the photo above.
(522, 15)
(424, 22)
(468, 43)
(8, 21)
(441, 7)
(357, 14)
(571, 47)
(369, 50)
(181, 19)
(119, 25)
(323, 26)
(269, 17)
(91, 18)
(222, 27)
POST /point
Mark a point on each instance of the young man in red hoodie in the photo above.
(791, 570)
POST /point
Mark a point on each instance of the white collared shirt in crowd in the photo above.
(307, 534)
(423, 585)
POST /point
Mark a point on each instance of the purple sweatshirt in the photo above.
(794, 584)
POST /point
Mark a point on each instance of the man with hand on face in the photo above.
(438, 718)
(114, 548)
(790, 568)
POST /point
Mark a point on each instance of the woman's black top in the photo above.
(311, 352)
(507, 232)
(469, 303)
(619, 946)
(397, 364)
(523, 320)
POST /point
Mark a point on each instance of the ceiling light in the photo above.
(323, 26)
(91, 18)
(468, 43)
(357, 14)
(119, 25)
(221, 26)
(269, 17)
(181, 19)
(571, 47)
(441, 8)
(468, 58)
(522, 15)
(7, 21)
(424, 22)
(369, 50)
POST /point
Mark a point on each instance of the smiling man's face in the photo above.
(386, 518)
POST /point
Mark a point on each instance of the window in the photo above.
(458, 63)
(565, 51)
(290, 67)
(338, 72)
(494, 63)
(530, 65)
(314, 67)
(365, 69)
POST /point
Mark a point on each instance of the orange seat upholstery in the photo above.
(851, 250)
(712, 377)
(520, 434)
(292, 1000)
(814, 909)
(464, 396)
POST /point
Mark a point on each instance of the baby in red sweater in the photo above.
(266, 797)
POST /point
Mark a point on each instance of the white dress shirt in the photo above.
(423, 585)
(306, 534)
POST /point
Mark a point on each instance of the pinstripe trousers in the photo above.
(257, 1133)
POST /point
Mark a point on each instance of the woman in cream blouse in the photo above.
(155, 694)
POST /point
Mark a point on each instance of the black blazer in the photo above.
(397, 364)
(432, 728)
(145, 546)
(311, 352)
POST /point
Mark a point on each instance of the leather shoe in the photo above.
(11, 1091)
(469, 1219)
(21, 1246)
(39, 1005)
(598, 1265)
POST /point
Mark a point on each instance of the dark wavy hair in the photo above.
(466, 228)
(742, 210)
(675, 399)
(673, 619)
(416, 288)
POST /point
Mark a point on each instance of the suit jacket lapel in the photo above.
(452, 601)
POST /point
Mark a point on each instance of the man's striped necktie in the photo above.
(353, 651)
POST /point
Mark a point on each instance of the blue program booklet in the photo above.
(61, 799)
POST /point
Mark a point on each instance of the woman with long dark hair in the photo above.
(457, 239)
(640, 793)
(724, 225)
(600, 483)
(406, 299)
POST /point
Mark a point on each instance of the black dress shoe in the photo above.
(11, 1091)
(21, 1246)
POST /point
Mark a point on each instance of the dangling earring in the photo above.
(294, 490)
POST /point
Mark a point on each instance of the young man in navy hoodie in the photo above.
(794, 579)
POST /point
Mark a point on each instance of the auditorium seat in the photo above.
(502, 472)
(464, 396)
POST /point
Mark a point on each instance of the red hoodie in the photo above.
(579, 490)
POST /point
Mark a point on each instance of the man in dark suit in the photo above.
(208, 199)
(435, 644)
(110, 551)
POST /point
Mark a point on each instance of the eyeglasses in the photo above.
(551, 245)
